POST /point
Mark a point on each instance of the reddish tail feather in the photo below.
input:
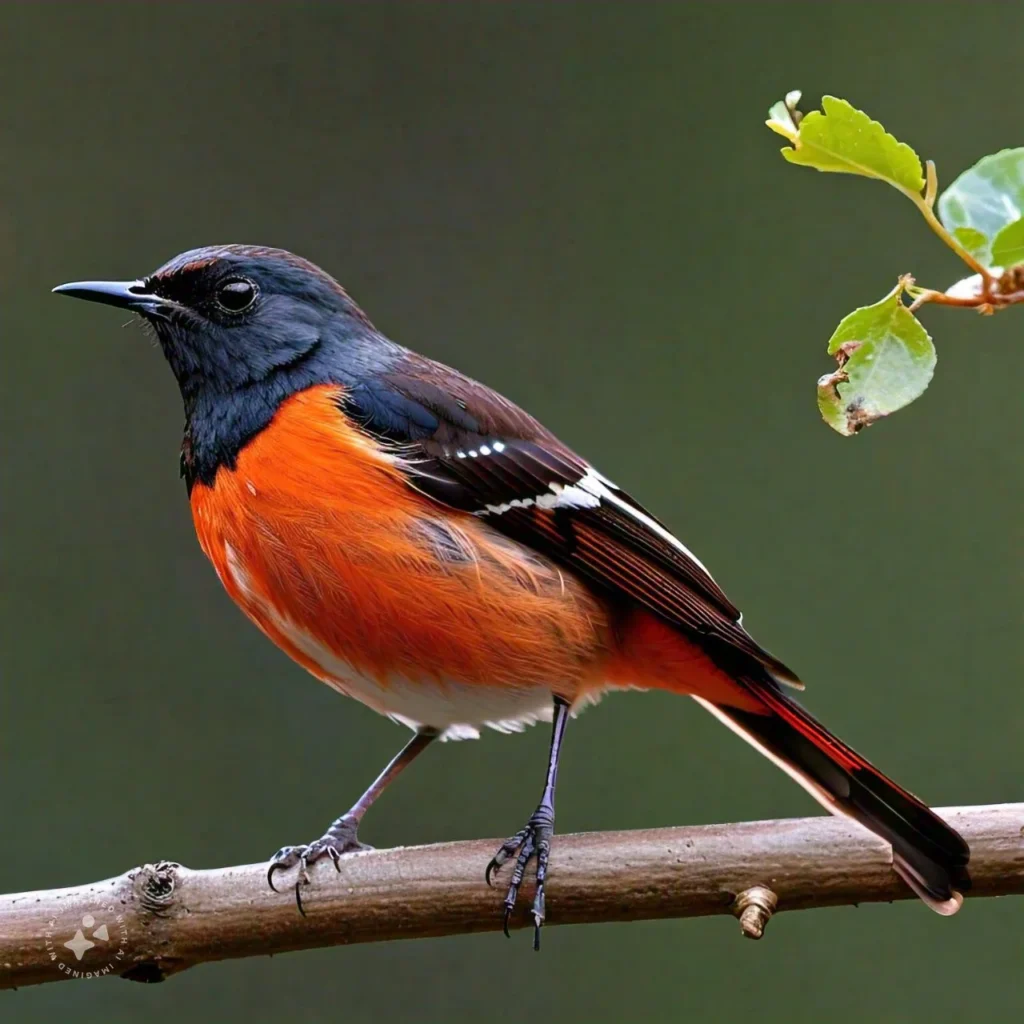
(928, 855)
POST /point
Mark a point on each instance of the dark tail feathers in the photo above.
(928, 855)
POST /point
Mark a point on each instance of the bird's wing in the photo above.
(467, 447)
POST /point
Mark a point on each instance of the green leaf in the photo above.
(975, 243)
(886, 360)
(845, 140)
(1008, 245)
(984, 200)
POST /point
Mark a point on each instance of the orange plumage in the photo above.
(318, 537)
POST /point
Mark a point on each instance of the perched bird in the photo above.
(418, 542)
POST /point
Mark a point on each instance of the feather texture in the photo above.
(468, 447)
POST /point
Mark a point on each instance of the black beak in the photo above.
(131, 295)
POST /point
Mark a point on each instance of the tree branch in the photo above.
(156, 920)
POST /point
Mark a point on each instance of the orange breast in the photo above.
(375, 589)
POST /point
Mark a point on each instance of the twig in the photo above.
(156, 920)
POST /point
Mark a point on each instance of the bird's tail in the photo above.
(928, 855)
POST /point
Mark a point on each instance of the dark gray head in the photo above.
(243, 328)
(231, 315)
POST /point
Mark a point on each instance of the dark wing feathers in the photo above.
(469, 448)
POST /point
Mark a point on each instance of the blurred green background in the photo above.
(579, 204)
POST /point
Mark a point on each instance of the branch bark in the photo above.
(156, 920)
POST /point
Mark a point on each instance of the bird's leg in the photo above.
(534, 839)
(341, 836)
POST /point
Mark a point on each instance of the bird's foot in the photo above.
(529, 843)
(338, 840)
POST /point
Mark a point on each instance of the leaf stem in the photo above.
(932, 185)
(927, 295)
(922, 203)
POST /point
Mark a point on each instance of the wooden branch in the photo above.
(156, 920)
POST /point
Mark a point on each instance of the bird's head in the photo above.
(230, 316)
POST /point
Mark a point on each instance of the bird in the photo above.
(418, 542)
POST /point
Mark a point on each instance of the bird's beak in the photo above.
(133, 295)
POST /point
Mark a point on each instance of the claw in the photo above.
(507, 849)
(538, 916)
(534, 841)
(339, 840)
(282, 861)
(493, 865)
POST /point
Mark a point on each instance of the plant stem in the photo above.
(932, 183)
(921, 202)
(926, 295)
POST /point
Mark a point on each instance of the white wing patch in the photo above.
(592, 488)
(557, 496)
(605, 490)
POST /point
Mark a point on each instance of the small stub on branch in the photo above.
(754, 908)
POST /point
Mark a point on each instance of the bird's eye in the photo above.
(236, 295)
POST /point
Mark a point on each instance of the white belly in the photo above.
(457, 709)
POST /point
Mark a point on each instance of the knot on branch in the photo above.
(754, 908)
(155, 885)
